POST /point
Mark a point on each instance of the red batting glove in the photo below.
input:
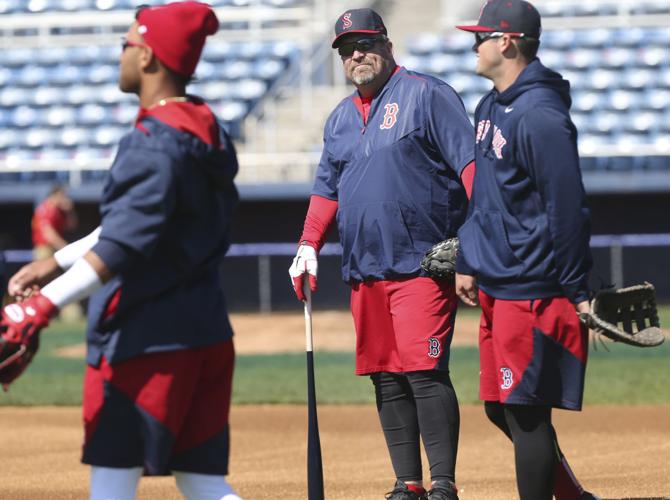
(304, 262)
(22, 320)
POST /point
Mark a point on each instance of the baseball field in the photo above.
(619, 446)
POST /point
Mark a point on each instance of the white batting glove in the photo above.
(304, 262)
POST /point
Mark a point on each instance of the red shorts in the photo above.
(161, 411)
(532, 352)
(403, 326)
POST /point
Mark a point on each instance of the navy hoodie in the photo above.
(527, 231)
(167, 209)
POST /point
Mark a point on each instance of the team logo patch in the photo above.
(15, 313)
(434, 348)
(499, 142)
(507, 378)
(482, 129)
(346, 21)
(390, 117)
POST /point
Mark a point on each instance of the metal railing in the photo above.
(264, 251)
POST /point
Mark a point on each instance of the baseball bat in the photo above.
(314, 463)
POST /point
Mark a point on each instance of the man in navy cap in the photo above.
(396, 164)
(159, 344)
(526, 245)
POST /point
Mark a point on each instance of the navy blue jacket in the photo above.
(396, 179)
(527, 231)
(166, 214)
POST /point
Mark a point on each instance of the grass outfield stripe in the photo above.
(624, 375)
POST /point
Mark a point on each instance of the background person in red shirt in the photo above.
(52, 219)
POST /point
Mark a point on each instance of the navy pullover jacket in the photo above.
(397, 178)
(166, 211)
(527, 231)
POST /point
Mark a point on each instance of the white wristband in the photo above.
(69, 254)
(76, 283)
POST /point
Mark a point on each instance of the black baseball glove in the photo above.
(440, 260)
(626, 315)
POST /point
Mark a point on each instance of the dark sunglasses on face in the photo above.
(481, 37)
(361, 45)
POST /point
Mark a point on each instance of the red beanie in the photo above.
(176, 33)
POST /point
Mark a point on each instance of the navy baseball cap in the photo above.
(508, 16)
(358, 21)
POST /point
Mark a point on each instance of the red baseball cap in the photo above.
(358, 21)
(508, 16)
(176, 33)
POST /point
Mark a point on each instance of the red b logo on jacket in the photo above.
(390, 117)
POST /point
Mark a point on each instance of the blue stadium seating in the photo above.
(77, 86)
(63, 103)
(620, 81)
(45, 6)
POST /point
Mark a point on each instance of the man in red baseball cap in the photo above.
(159, 343)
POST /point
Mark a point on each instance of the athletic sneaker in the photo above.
(402, 492)
(443, 490)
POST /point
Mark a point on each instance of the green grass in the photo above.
(624, 375)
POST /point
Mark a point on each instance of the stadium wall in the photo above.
(280, 221)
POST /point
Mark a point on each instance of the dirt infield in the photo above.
(617, 452)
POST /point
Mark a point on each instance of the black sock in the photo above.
(534, 451)
(398, 417)
(439, 420)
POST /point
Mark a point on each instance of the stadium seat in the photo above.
(637, 78)
(653, 56)
(24, 117)
(657, 99)
(558, 39)
(651, 8)
(617, 57)
(603, 79)
(646, 122)
(622, 100)
(588, 101)
(75, 136)
(597, 38)
(632, 37)
(93, 114)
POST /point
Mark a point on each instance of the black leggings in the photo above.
(535, 453)
(417, 404)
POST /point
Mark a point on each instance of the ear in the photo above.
(147, 57)
(507, 46)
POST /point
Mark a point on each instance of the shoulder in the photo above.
(545, 117)
(427, 83)
(342, 110)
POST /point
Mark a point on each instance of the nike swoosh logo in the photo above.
(509, 109)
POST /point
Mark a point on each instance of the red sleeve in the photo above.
(467, 178)
(320, 215)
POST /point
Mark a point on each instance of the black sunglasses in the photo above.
(481, 37)
(361, 45)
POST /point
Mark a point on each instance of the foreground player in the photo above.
(526, 240)
(394, 153)
(160, 353)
